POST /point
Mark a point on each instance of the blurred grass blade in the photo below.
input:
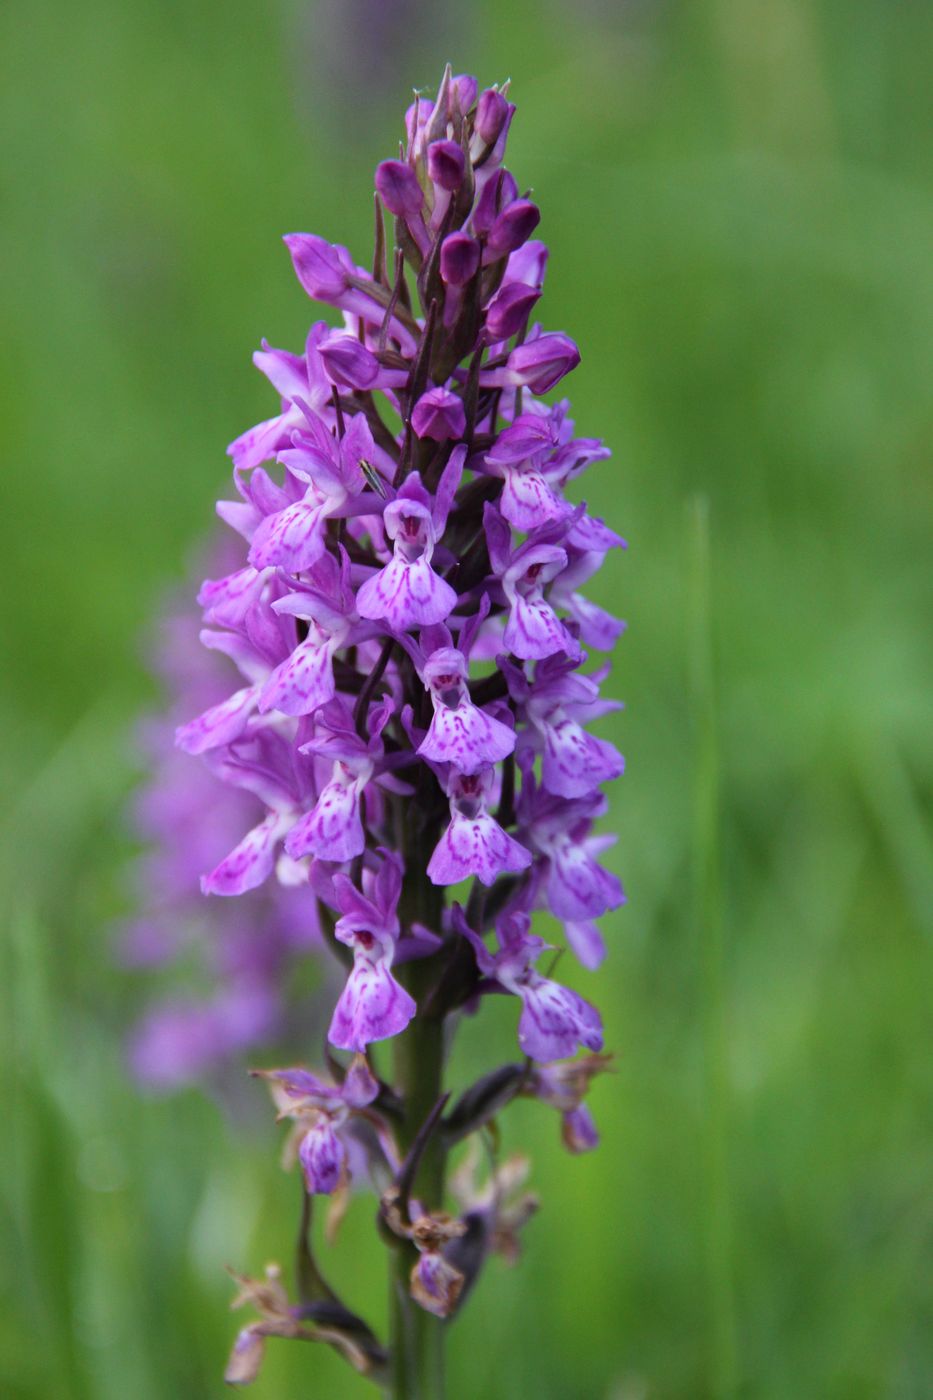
(717, 1224)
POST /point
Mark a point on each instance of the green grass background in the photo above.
(738, 199)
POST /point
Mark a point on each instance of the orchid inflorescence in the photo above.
(412, 715)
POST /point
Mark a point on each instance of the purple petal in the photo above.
(292, 538)
(554, 1021)
(575, 762)
(406, 595)
(219, 725)
(578, 888)
(322, 1155)
(475, 846)
(534, 631)
(466, 737)
(332, 830)
(302, 683)
(249, 863)
(527, 500)
(372, 1006)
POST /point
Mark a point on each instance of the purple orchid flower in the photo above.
(554, 1020)
(373, 1005)
(414, 707)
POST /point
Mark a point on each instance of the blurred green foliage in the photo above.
(738, 199)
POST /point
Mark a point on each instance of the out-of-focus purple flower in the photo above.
(186, 817)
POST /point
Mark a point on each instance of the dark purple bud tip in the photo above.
(510, 309)
(398, 188)
(348, 362)
(440, 415)
(498, 194)
(446, 164)
(513, 227)
(543, 362)
(463, 90)
(318, 265)
(491, 112)
(459, 259)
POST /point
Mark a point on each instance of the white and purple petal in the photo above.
(475, 846)
(372, 1006)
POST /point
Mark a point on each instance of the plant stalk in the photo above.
(416, 1336)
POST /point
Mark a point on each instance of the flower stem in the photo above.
(417, 1337)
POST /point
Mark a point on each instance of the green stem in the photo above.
(417, 1337)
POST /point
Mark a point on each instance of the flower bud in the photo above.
(543, 362)
(491, 113)
(349, 362)
(509, 310)
(246, 1357)
(318, 265)
(321, 1154)
(360, 1086)
(463, 90)
(446, 164)
(513, 227)
(398, 189)
(440, 415)
(460, 255)
(498, 193)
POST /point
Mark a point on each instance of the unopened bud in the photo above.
(509, 310)
(446, 164)
(491, 113)
(543, 362)
(460, 255)
(513, 227)
(439, 414)
(398, 189)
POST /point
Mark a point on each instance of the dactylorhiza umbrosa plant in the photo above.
(412, 714)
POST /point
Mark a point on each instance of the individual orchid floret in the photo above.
(587, 545)
(407, 592)
(474, 842)
(461, 733)
(508, 312)
(327, 273)
(577, 887)
(536, 364)
(564, 1085)
(533, 630)
(298, 379)
(259, 762)
(439, 414)
(459, 259)
(494, 1212)
(554, 1019)
(293, 538)
(333, 829)
(321, 1114)
(436, 1284)
(349, 362)
(574, 762)
(304, 681)
(529, 497)
(403, 196)
(373, 1005)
